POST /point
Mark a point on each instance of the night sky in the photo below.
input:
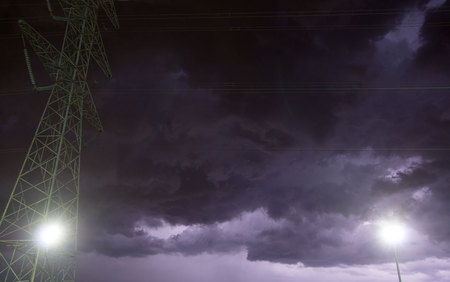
(253, 140)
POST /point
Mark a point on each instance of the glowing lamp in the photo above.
(393, 233)
(50, 234)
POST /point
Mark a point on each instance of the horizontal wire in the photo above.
(328, 27)
(343, 149)
(253, 28)
(9, 92)
(241, 90)
(23, 4)
(12, 150)
(409, 88)
(224, 15)
(232, 15)
(298, 149)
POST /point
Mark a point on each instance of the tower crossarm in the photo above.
(106, 5)
(98, 52)
(90, 113)
(110, 10)
(46, 52)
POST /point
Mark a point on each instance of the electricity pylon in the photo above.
(47, 188)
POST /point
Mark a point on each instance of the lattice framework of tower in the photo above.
(47, 188)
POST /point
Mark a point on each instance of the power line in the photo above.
(261, 14)
(290, 14)
(298, 149)
(255, 15)
(247, 90)
(15, 4)
(12, 150)
(261, 28)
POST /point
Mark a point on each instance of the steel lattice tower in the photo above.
(47, 188)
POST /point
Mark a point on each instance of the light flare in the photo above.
(393, 233)
(50, 234)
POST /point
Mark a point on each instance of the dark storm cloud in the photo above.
(201, 154)
(259, 59)
(433, 56)
(315, 218)
(200, 166)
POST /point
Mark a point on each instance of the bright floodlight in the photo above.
(393, 232)
(50, 234)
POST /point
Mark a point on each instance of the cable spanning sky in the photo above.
(254, 140)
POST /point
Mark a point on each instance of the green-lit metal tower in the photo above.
(47, 188)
